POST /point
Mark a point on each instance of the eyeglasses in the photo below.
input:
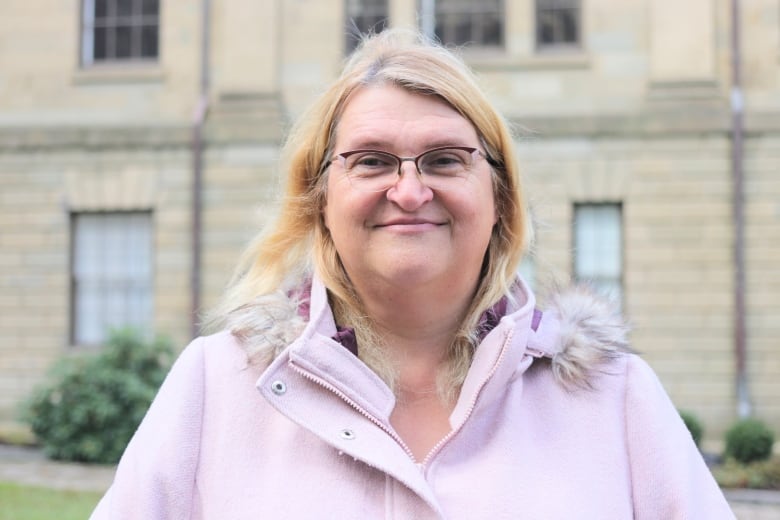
(439, 169)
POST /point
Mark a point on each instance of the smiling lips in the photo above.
(409, 224)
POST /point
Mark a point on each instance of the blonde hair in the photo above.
(299, 242)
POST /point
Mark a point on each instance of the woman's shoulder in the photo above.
(218, 352)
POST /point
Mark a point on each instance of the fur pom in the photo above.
(267, 325)
(592, 333)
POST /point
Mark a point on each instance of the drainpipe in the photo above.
(201, 111)
(744, 407)
(428, 18)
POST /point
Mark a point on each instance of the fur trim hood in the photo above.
(579, 331)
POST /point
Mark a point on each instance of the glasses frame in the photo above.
(342, 158)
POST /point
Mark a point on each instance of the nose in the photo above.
(409, 192)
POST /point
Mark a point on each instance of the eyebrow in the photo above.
(373, 144)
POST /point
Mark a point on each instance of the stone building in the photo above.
(625, 121)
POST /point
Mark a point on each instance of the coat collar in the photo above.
(500, 355)
(578, 332)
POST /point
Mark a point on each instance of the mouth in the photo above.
(409, 224)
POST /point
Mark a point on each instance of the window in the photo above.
(364, 16)
(598, 247)
(461, 22)
(119, 30)
(527, 270)
(111, 278)
(558, 23)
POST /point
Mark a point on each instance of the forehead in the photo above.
(392, 118)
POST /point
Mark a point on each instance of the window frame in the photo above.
(146, 328)
(354, 12)
(558, 45)
(597, 282)
(432, 10)
(135, 22)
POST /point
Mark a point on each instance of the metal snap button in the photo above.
(347, 434)
(278, 387)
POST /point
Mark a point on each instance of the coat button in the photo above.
(278, 387)
(347, 434)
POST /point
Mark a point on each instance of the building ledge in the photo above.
(484, 61)
(119, 73)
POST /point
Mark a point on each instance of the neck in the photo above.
(418, 326)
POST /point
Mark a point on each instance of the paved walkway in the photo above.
(754, 504)
(28, 466)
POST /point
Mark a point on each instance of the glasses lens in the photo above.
(445, 167)
(371, 171)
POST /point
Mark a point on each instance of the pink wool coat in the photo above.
(556, 423)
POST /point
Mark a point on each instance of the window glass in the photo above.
(527, 270)
(111, 274)
(124, 42)
(149, 41)
(119, 30)
(124, 7)
(598, 246)
(557, 23)
(364, 16)
(101, 9)
(463, 22)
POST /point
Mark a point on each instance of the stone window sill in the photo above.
(119, 73)
(494, 61)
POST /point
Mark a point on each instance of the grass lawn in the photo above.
(32, 503)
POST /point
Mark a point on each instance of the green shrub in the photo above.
(94, 404)
(694, 426)
(749, 440)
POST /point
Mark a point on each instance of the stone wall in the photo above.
(42, 185)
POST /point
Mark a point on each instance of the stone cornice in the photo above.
(21, 138)
(660, 123)
(264, 130)
(218, 131)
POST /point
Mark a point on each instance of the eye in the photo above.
(371, 161)
(445, 162)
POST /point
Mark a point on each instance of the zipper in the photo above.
(357, 407)
(439, 445)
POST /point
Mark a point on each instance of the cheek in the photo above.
(340, 215)
(324, 212)
(490, 200)
(349, 209)
(482, 202)
(335, 208)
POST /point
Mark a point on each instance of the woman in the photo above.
(381, 358)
